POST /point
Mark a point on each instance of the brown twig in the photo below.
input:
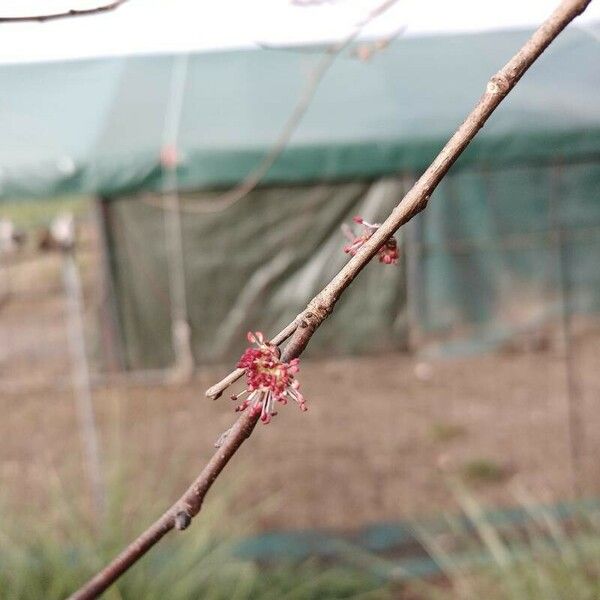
(181, 513)
(73, 12)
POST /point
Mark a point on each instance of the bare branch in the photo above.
(227, 199)
(73, 12)
(181, 513)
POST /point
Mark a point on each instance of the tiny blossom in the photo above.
(268, 379)
(388, 253)
(169, 156)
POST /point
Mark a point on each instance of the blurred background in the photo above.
(160, 196)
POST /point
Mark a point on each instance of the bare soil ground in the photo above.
(368, 449)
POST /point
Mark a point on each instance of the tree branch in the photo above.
(225, 200)
(73, 12)
(181, 513)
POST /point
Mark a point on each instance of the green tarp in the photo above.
(508, 250)
(499, 251)
(96, 126)
(254, 267)
(520, 208)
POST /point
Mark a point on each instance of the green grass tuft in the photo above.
(50, 555)
(33, 213)
(482, 470)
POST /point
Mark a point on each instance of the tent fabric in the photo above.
(509, 236)
(96, 126)
(499, 251)
(254, 267)
(508, 250)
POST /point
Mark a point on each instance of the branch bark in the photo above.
(304, 326)
(73, 12)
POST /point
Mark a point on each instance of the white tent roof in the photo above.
(154, 26)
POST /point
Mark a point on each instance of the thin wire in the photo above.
(575, 432)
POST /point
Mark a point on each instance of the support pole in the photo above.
(180, 327)
(81, 377)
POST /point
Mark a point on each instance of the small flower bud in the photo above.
(388, 253)
(182, 520)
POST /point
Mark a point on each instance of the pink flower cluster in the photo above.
(268, 379)
(388, 253)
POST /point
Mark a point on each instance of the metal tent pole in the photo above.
(572, 392)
